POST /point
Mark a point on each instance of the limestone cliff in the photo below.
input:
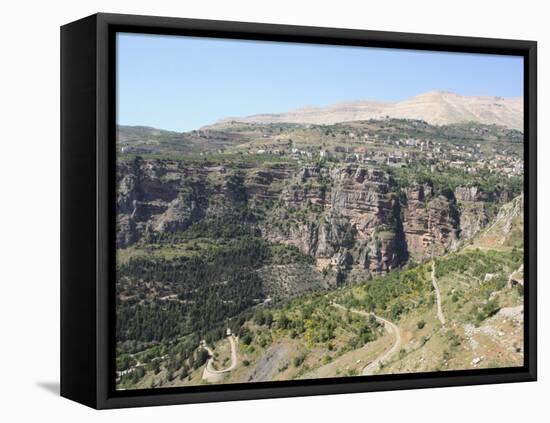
(431, 223)
(349, 218)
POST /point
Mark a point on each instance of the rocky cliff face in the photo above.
(164, 196)
(349, 218)
(473, 214)
(431, 223)
(150, 196)
(354, 218)
(364, 198)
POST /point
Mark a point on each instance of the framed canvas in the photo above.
(258, 211)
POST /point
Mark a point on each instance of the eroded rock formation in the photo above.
(348, 217)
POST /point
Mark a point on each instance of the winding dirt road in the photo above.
(440, 315)
(390, 327)
(210, 373)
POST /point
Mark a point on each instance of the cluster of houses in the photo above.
(443, 156)
(295, 153)
(507, 164)
(130, 149)
(401, 153)
(373, 150)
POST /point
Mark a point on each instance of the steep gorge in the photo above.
(352, 219)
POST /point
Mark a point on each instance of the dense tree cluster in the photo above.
(173, 297)
(209, 289)
(392, 294)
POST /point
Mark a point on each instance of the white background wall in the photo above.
(29, 198)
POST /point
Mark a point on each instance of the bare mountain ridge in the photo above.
(436, 108)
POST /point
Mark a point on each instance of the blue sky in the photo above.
(182, 83)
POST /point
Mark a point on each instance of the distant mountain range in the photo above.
(435, 107)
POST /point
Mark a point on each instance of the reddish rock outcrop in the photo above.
(430, 222)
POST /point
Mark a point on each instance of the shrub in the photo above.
(259, 317)
(155, 366)
(200, 358)
(283, 322)
(184, 373)
(352, 372)
(453, 338)
(246, 339)
(396, 310)
(124, 361)
(263, 317)
(299, 359)
(490, 308)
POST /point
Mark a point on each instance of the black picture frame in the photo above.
(87, 209)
